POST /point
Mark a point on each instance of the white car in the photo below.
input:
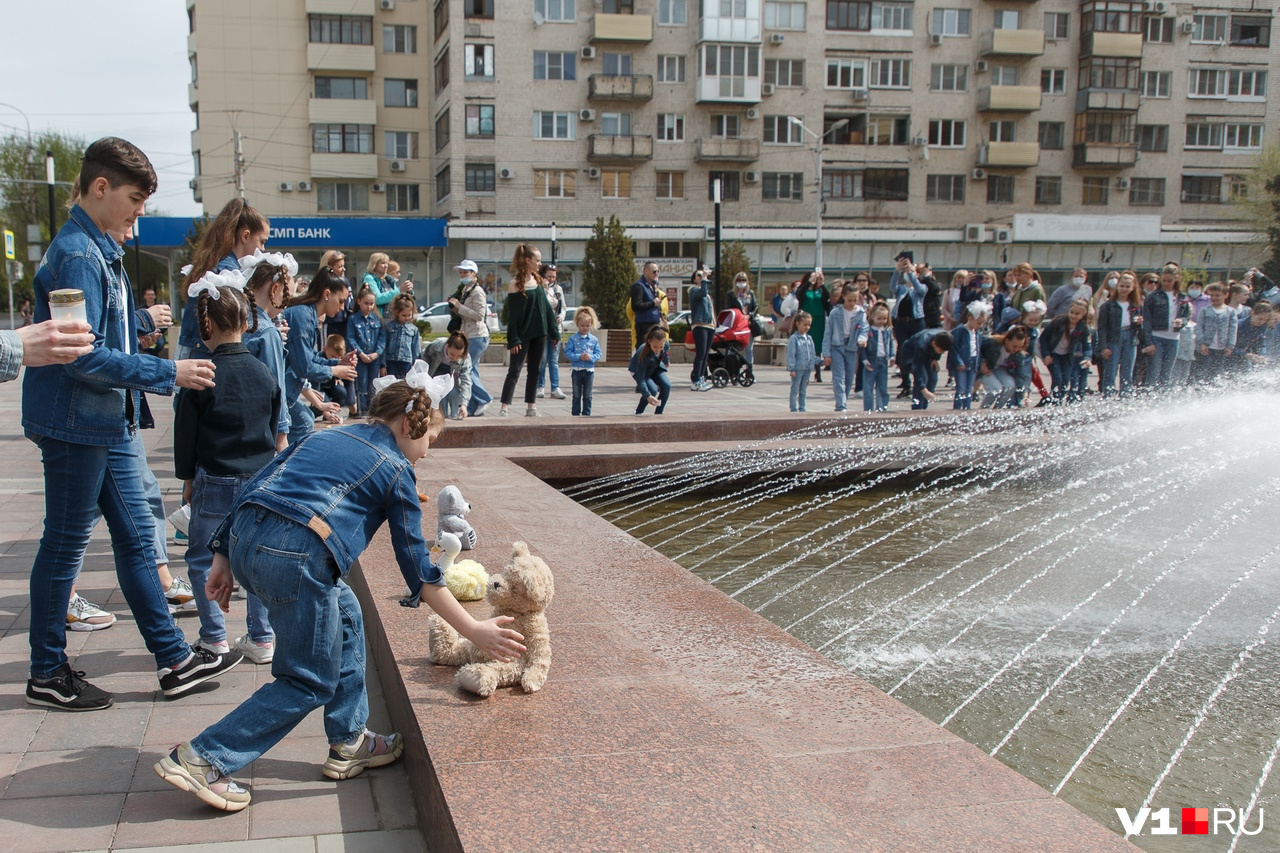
(567, 324)
(437, 318)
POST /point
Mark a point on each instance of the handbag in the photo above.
(785, 325)
(754, 325)
(455, 319)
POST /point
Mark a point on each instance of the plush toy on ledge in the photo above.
(466, 579)
(523, 590)
(451, 514)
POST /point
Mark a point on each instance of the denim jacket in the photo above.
(94, 399)
(10, 355)
(364, 334)
(579, 344)
(189, 334)
(1081, 346)
(646, 364)
(343, 483)
(701, 311)
(303, 359)
(880, 344)
(843, 330)
(403, 342)
(801, 357)
(1218, 327)
(962, 340)
(267, 347)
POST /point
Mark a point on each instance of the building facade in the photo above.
(1106, 134)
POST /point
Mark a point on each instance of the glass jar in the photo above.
(67, 305)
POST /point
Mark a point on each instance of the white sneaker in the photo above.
(180, 518)
(480, 410)
(542, 392)
(259, 653)
(83, 616)
(557, 393)
(180, 596)
(222, 648)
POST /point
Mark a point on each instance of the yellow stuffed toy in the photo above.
(466, 579)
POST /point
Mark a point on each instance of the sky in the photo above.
(92, 68)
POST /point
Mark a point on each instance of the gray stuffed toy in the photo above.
(452, 512)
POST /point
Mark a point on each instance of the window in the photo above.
(399, 93)
(726, 126)
(1207, 83)
(732, 65)
(846, 73)
(342, 138)
(555, 11)
(1099, 72)
(885, 184)
(1004, 75)
(1159, 30)
(730, 185)
(999, 189)
(615, 184)
(1113, 16)
(619, 7)
(671, 185)
(441, 16)
(399, 38)
(1095, 190)
(553, 65)
(402, 198)
(342, 197)
(783, 16)
(732, 8)
(842, 184)
(895, 17)
(1200, 134)
(1057, 26)
(554, 184)
(615, 124)
(1049, 190)
(853, 129)
(479, 121)
(477, 61)
(778, 130)
(1052, 135)
(848, 15)
(340, 29)
(442, 129)
(946, 133)
(617, 64)
(401, 144)
(553, 125)
(1209, 28)
(1053, 81)
(1146, 191)
(1105, 128)
(1008, 19)
(444, 184)
(887, 129)
(1250, 31)
(784, 73)
(1153, 137)
(950, 22)
(891, 74)
(1002, 131)
(670, 127)
(674, 249)
(477, 8)
(672, 13)
(342, 88)
(442, 70)
(948, 189)
(1202, 189)
(1155, 84)
(1246, 137)
(783, 186)
(949, 78)
(1238, 187)
(670, 69)
(1246, 84)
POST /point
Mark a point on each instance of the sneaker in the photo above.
(67, 690)
(542, 392)
(197, 669)
(180, 518)
(480, 410)
(180, 596)
(532, 413)
(216, 648)
(372, 750)
(179, 536)
(258, 653)
(557, 393)
(83, 616)
(502, 413)
(186, 771)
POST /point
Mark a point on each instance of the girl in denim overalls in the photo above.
(291, 541)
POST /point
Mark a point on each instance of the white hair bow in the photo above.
(419, 376)
(186, 270)
(212, 280)
(978, 308)
(1036, 306)
(277, 259)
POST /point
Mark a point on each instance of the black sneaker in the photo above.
(202, 666)
(68, 691)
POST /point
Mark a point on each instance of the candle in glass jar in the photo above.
(67, 305)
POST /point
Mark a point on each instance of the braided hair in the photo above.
(229, 313)
(266, 275)
(389, 403)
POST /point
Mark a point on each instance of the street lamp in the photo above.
(817, 243)
(48, 177)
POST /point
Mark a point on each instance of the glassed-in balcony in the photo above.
(1012, 43)
(1122, 45)
(632, 28)
(1009, 98)
(1010, 154)
(1105, 155)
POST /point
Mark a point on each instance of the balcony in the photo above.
(193, 95)
(1009, 98)
(340, 57)
(743, 149)
(636, 87)
(1125, 100)
(619, 148)
(1014, 154)
(1120, 45)
(1098, 155)
(340, 7)
(363, 166)
(632, 28)
(342, 111)
(1012, 43)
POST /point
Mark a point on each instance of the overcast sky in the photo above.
(94, 68)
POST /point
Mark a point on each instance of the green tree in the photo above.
(733, 260)
(608, 270)
(1260, 209)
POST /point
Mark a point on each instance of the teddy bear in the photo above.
(523, 590)
(451, 514)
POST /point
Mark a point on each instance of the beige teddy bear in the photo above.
(523, 590)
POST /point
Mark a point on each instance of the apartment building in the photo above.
(1104, 133)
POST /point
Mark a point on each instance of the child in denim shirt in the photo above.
(366, 339)
(403, 340)
(583, 351)
(802, 359)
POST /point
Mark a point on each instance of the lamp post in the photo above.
(48, 177)
(817, 242)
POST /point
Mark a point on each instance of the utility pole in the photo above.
(239, 163)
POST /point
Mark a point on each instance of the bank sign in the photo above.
(292, 232)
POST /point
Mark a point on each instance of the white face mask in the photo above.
(464, 280)
(1078, 280)
(1112, 282)
(1194, 292)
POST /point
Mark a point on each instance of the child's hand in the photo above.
(867, 365)
(961, 367)
(1084, 362)
(221, 582)
(654, 401)
(826, 362)
(188, 489)
(349, 359)
(1204, 350)
(793, 374)
(498, 642)
(862, 342)
(1048, 359)
(929, 395)
(584, 357)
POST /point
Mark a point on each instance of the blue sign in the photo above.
(292, 232)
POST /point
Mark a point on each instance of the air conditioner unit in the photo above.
(1004, 235)
(506, 173)
(285, 187)
(586, 115)
(777, 38)
(711, 232)
(860, 94)
(935, 40)
(1157, 7)
(378, 188)
(397, 165)
(976, 233)
(979, 174)
(593, 173)
(386, 5)
(304, 186)
(766, 89)
(981, 66)
(194, 183)
(1187, 27)
(588, 52)
(750, 177)
(1122, 183)
(919, 141)
(752, 114)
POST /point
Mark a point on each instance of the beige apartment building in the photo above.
(1108, 133)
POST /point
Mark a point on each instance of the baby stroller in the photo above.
(725, 359)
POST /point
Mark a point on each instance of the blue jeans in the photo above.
(479, 396)
(1123, 356)
(875, 385)
(552, 366)
(844, 369)
(398, 369)
(1160, 362)
(1000, 388)
(79, 481)
(452, 403)
(212, 498)
(301, 420)
(1068, 378)
(964, 387)
(922, 376)
(799, 388)
(319, 654)
(582, 380)
(365, 374)
(656, 386)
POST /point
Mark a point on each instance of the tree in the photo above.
(608, 270)
(1260, 210)
(733, 260)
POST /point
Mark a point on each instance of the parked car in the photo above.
(567, 324)
(437, 318)
(678, 317)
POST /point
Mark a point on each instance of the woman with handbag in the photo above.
(745, 301)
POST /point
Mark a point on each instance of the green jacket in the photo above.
(529, 316)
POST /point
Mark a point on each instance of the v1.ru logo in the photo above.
(1195, 821)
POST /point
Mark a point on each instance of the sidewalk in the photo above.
(84, 781)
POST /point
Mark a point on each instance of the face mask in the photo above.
(464, 281)
(1077, 281)
(1112, 282)
(1194, 293)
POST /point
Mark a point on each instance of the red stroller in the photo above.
(725, 359)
